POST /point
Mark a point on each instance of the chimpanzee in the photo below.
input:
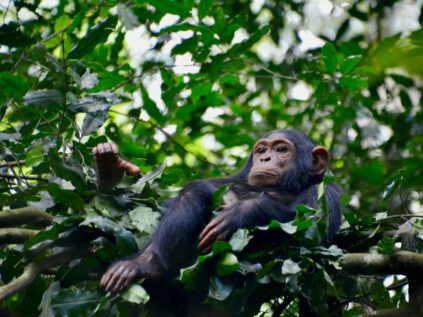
(283, 171)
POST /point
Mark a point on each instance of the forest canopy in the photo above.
(185, 88)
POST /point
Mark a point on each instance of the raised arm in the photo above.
(110, 165)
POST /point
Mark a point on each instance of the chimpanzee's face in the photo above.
(273, 157)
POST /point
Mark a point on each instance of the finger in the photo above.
(130, 278)
(95, 151)
(207, 250)
(119, 283)
(114, 148)
(131, 169)
(100, 148)
(114, 277)
(218, 226)
(208, 239)
(209, 227)
(107, 148)
(104, 280)
(221, 237)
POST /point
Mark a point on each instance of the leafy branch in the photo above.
(34, 269)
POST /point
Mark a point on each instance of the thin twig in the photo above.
(7, 10)
(403, 216)
(267, 70)
(65, 90)
(21, 115)
(31, 178)
(12, 164)
(401, 197)
(27, 60)
(130, 79)
(172, 139)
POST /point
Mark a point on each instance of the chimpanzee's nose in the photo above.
(265, 158)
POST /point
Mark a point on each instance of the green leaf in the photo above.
(144, 219)
(69, 303)
(391, 188)
(290, 267)
(67, 197)
(151, 108)
(93, 121)
(96, 35)
(44, 203)
(227, 264)
(45, 305)
(405, 81)
(34, 158)
(201, 90)
(149, 177)
(386, 245)
(101, 101)
(204, 8)
(329, 57)
(77, 19)
(220, 247)
(188, 45)
(70, 170)
(218, 290)
(352, 83)
(349, 64)
(13, 86)
(246, 45)
(218, 195)
(289, 227)
(125, 241)
(169, 6)
(406, 100)
(136, 294)
(43, 98)
(11, 36)
(240, 239)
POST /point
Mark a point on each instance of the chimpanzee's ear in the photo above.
(320, 160)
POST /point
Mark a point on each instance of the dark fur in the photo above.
(175, 241)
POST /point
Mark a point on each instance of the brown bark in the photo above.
(16, 235)
(25, 215)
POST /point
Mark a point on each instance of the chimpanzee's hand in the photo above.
(120, 275)
(220, 228)
(111, 166)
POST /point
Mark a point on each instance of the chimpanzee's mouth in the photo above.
(264, 173)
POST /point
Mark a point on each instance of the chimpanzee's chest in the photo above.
(240, 192)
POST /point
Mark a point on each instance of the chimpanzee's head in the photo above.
(286, 159)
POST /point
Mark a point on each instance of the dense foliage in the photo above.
(185, 88)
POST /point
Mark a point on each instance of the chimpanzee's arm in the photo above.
(247, 213)
(172, 246)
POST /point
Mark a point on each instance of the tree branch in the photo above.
(399, 262)
(26, 215)
(16, 235)
(33, 270)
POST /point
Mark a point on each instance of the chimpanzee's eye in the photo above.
(282, 149)
(261, 150)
